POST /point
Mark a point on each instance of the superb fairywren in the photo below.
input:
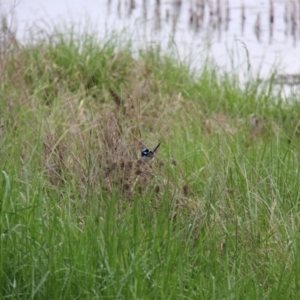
(148, 155)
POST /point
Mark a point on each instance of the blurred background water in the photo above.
(235, 34)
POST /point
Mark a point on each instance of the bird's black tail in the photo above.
(156, 148)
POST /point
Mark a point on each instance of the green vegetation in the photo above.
(216, 215)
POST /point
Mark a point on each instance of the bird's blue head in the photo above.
(145, 152)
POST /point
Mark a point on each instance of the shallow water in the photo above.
(263, 33)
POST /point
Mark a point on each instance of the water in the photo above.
(262, 33)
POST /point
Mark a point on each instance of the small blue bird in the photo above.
(148, 155)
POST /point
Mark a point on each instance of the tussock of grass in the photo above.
(214, 216)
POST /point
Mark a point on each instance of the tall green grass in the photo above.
(223, 223)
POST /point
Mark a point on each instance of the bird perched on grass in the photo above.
(148, 155)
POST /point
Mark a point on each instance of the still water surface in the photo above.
(265, 32)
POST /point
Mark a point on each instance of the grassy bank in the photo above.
(216, 215)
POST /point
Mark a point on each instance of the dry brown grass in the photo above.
(103, 147)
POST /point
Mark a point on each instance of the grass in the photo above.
(216, 216)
